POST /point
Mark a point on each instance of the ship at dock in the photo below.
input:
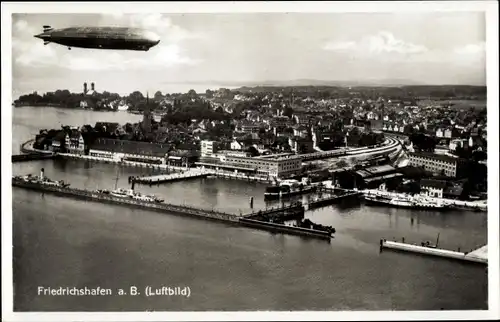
(41, 180)
(129, 193)
(405, 201)
(288, 188)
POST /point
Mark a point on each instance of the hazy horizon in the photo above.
(237, 49)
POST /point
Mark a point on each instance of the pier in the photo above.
(32, 157)
(273, 220)
(161, 207)
(477, 256)
(294, 211)
(279, 213)
(333, 199)
(171, 177)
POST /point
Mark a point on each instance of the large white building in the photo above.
(438, 164)
(207, 148)
(238, 161)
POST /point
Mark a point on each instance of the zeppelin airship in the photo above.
(100, 37)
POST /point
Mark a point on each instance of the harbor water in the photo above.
(62, 242)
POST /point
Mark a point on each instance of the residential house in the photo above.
(58, 142)
(439, 133)
(75, 143)
(301, 145)
(237, 145)
(433, 188)
(300, 131)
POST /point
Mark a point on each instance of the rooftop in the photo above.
(439, 184)
(131, 147)
(441, 157)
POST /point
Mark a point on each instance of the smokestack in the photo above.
(133, 185)
(84, 88)
(92, 87)
(42, 174)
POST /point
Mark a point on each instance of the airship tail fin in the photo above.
(47, 28)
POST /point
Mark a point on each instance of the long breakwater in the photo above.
(172, 209)
(99, 197)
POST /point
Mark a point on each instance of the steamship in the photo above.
(130, 193)
(41, 180)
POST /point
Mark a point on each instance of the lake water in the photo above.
(60, 242)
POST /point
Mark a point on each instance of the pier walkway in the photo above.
(171, 177)
(477, 256)
(162, 207)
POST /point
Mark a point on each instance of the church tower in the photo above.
(146, 120)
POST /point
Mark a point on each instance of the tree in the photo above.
(209, 93)
(158, 96)
(192, 94)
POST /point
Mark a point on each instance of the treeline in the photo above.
(373, 92)
(64, 98)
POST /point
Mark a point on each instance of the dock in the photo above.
(32, 157)
(252, 221)
(477, 256)
(161, 207)
(333, 199)
(294, 211)
(171, 177)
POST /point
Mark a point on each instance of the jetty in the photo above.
(255, 220)
(32, 157)
(337, 196)
(99, 197)
(479, 255)
(293, 211)
(273, 220)
(171, 177)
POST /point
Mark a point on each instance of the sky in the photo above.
(211, 50)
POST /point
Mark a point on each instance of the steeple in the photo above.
(146, 120)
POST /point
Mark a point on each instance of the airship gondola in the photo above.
(119, 38)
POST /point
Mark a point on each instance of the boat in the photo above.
(130, 193)
(405, 201)
(287, 188)
(41, 180)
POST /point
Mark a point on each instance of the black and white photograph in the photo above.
(253, 160)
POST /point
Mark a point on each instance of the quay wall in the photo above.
(162, 207)
(273, 227)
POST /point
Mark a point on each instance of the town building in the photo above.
(433, 188)
(271, 166)
(373, 177)
(124, 150)
(74, 142)
(58, 142)
(208, 148)
(438, 164)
